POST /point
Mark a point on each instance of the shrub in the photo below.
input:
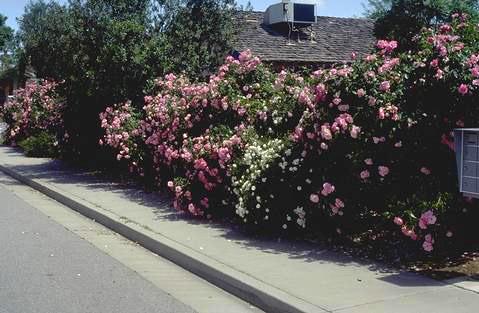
(35, 118)
(359, 149)
(42, 145)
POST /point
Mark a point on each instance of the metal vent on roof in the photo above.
(300, 12)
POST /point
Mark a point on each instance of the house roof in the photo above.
(333, 39)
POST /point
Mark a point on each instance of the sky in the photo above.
(341, 8)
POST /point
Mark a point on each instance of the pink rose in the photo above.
(327, 189)
(428, 243)
(368, 161)
(191, 208)
(427, 218)
(439, 74)
(383, 170)
(463, 89)
(339, 203)
(475, 71)
(355, 130)
(427, 246)
(314, 198)
(381, 113)
(384, 86)
(361, 93)
(170, 184)
(326, 132)
(425, 170)
(364, 174)
(398, 221)
(408, 232)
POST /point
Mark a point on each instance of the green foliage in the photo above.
(197, 35)
(42, 145)
(6, 45)
(402, 19)
(99, 48)
(6, 33)
(107, 51)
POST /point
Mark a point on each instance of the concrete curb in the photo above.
(248, 288)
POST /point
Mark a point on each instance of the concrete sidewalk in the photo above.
(275, 276)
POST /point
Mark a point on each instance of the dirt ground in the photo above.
(467, 265)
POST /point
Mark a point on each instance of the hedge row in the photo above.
(361, 149)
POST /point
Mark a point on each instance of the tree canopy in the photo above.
(402, 19)
(199, 36)
(6, 42)
(106, 51)
(6, 32)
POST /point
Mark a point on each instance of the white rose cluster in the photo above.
(257, 158)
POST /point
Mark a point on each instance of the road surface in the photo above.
(47, 268)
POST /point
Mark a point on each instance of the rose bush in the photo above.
(35, 111)
(359, 149)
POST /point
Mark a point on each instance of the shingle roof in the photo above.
(334, 39)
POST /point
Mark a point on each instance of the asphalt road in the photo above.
(44, 268)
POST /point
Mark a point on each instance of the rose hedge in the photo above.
(36, 110)
(361, 149)
(355, 149)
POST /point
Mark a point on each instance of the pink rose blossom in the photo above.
(327, 189)
(361, 93)
(463, 89)
(383, 170)
(384, 86)
(355, 131)
(427, 218)
(326, 132)
(425, 170)
(428, 243)
(439, 74)
(364, 174)
(398, 221)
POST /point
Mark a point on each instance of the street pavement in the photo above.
(44, 268)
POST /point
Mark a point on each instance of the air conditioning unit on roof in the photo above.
(291, 11)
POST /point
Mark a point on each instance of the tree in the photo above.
(107, 51)
(197, 34)
(6, 32)
(6, 44)
(403, 19)
(98, 48)
(47, 36)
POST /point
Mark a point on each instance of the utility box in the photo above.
(466, 142)
(298, 12)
